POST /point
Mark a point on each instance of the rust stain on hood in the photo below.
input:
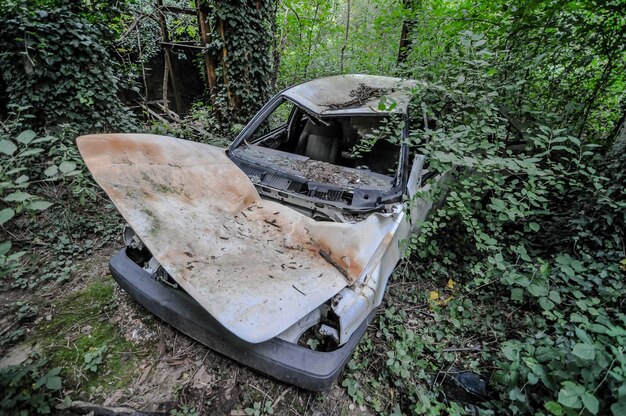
(255, 265)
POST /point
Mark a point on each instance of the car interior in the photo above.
(357, 142)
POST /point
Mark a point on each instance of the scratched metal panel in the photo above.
(255, 265)
(320, 95)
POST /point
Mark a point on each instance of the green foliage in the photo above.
(93, 358)
(200, 125)
(558, 58)
(414, 352)
(136, 43)
(57, 69)
(102, 12)
(19, 169)
(29, 388)
(12, 336)
(184, 411)
(25, 311)
(310, 36)
(37, 169)
(241, 33)
(524, 99)
(260, 408)
(519, 238)
(34, 168)
(95, 352)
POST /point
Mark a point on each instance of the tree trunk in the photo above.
(238, 35)
(618, 148)
(345, 40)
(277, 47)
(168, 71)
(407, 26)
(311, 42)
(209, 60)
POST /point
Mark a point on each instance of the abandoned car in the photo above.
(276, 251)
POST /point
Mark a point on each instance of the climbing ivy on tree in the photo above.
(240, 42)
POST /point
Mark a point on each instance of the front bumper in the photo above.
(282, 360)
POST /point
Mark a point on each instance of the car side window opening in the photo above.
(274, 126)
(368, 143)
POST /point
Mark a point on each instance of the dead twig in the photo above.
(298, 290)
(461, 349)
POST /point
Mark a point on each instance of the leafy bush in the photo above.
(16, 179)
(525, 247)
(57, 69)
(241, 45)
(29, 388)
(32, 170)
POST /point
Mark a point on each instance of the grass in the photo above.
(81, 325)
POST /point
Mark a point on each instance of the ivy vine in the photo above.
(240, 43)
(57, 70)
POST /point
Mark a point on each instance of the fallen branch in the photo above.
(84, 408)
(474, 349)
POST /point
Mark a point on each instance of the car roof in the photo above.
(353, 94)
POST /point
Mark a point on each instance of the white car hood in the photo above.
(255, 265)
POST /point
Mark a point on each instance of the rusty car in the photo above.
(276, 251)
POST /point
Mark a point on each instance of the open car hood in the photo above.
(255, 265)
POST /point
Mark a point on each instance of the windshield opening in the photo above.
(347, 151)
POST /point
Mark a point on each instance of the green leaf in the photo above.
(583, 336)
(537, 290)
(498, 204)
(534, 226)
(517, 395)
(39, 205)
(619, 408)
(584, 351)
(554, 408)
(554, 296)
(67, 402)
(6, 214)
(517, 294)
(510, 352)
(569, 395)
(21, 179)
(52, 170)
(26, 136)
(546, 304)
(7, 147)
(18, 196)
(591, 403)
(31, 152)
(5, 246)
(44, 139)
(54, 383)
(67, 166)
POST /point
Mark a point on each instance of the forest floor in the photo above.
(139, 362)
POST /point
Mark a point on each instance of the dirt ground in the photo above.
(169, 370)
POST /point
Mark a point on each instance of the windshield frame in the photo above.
(400, 177)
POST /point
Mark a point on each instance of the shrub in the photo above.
(57, 69)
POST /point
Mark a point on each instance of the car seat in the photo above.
(320, 142)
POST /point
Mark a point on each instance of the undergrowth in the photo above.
(520, 271)
(81, 339)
